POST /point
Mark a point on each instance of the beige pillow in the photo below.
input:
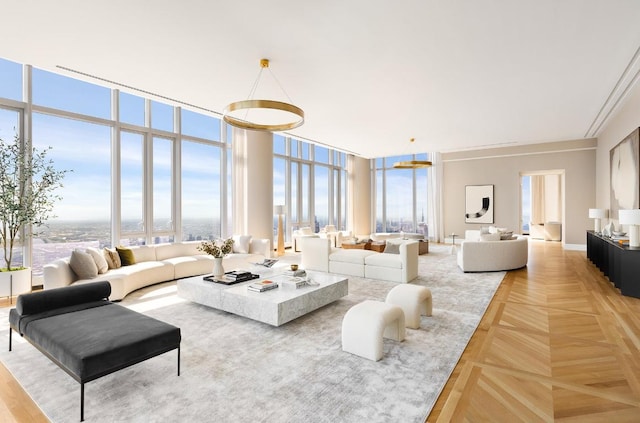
(506, 235)
(113, 258)
(97, 256)
(392, 248)
(83, 264)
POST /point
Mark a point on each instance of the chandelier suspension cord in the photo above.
(280, 85)
(253, 91)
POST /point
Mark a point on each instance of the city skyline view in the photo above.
(155, 170)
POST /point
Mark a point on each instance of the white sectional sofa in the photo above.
(317, 254)
(476, 255)
(154, 264)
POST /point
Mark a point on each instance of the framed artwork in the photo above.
(624, 161)
(478, 204)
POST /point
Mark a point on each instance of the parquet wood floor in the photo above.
(557, 343)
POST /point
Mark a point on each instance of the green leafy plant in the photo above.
(217, 248)
(28, 181)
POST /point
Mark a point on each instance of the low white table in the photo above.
(275, 307)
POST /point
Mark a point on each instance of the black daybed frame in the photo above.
(88, 336)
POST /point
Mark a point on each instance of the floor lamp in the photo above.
(279, 210)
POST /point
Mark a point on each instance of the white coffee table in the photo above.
(274, 307)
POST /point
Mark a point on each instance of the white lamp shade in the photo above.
(278, 210)
(598, 213)
(629, 217)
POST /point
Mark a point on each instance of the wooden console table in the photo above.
(621, 264)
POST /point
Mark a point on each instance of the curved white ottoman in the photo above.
(415, 301)
(365, 324)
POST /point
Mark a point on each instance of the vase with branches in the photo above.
(217, 248)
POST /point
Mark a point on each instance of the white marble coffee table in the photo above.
(275, 307)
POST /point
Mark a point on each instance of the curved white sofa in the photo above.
(154, 264)
(491, 256)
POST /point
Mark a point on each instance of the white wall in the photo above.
(624, 120)
(502, 168)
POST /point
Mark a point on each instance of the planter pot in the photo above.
(15, 282)
(218, 270)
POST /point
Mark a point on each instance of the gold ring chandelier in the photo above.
(263, 105)
(412, 164)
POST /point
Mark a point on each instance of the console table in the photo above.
(621, 264)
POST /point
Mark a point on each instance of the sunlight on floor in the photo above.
(157, 298)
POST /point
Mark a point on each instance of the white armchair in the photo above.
(342, 236)
(301, 233)
(331, 232)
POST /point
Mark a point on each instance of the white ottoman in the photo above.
(365, 324)
(415, 301)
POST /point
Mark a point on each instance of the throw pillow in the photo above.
(126, 256)
(97, 256)
(392, 248)
(241, 244)
(83, 264)
(112, 257)
(490, 237)
(506, 235)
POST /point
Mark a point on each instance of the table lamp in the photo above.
(279, 210)
(632, 219)
(598, 214)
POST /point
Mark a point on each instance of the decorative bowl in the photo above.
(618, 233)
(294, 267)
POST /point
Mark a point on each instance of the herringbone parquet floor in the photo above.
(558, 343)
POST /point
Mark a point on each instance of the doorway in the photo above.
(542, 204)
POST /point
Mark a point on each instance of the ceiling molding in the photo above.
(625, 83)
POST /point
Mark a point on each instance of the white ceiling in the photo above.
(370, 74)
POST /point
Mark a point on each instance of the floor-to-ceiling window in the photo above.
(10, 124)
(202, 177)
(143, 171)
(310, 180)
(400, 196)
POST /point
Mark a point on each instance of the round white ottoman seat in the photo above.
(415, 301)
(365, 324)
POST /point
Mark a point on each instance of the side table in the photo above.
(454, 250)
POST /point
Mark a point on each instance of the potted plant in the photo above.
(217, 248)
(28, 181)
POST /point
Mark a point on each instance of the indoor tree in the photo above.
(28, 181)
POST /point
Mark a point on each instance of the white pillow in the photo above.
(241, 244)
(490, 237)
(83, 264)
(97, 256)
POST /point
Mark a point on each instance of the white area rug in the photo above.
(239, 370)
